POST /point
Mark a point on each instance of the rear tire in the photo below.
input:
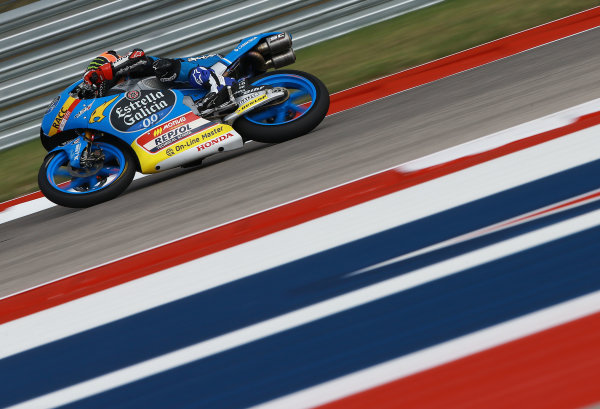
(120, 170)
(257, 126)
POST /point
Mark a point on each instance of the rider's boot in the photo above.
(218, 103)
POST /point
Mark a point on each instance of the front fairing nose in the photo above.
(60, 107)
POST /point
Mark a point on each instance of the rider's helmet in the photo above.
(108, 56)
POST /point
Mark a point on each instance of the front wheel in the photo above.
(73, 187)
(300, 113)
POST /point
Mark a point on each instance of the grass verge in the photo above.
(425, 35)
(366, 54)
(19, 167)
(8, 5)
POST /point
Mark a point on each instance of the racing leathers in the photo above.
(195, 71)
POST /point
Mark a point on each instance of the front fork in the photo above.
(76, 148)
(89, 137)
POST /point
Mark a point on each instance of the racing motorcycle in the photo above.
(95, 145)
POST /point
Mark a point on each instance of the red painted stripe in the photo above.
(253, 227)
(465, 60)
(555, 369)
(303, 210)
(570, 203)
(22, 199)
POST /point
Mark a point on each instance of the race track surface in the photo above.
(59, 241)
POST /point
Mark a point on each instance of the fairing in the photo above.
(154, 122)
(151, 118)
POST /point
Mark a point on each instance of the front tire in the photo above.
(299, 114)
(64, 186)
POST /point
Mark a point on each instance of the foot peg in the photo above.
(217, 103)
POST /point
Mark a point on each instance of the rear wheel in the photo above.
(299, 114)
(84, 187)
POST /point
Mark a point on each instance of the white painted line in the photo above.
(34, 206)
(315, 312)
(439, 354)
(504, 137)
(300, 241)
(505, 224)
(25, 209)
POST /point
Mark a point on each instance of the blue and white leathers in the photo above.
(203, 72)
(203, 77)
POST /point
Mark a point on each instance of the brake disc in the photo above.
(90, 165)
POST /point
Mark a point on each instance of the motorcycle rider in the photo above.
(108, 68)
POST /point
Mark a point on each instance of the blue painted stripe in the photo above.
(373, 333)
(279, 290)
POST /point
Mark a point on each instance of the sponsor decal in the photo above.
(166, 139)
(163, 128)
(172, 77)
(206, 139)
(202, 143)
(64, 121)
(98, 114)
(63, 115)
(251, 103)
(201, 140)
(136, 54)
(120, 61)
(198, 138)
(277, 37)
(84, 110)
(243, 90)
(245, 43)
(58, 120)
(125, 66)
(52, 104)
(74, 154)
(201, 57)
(215, 141)
(143, 112)
(209, 134)
(247, 98)
(132, 95)
(171, 132)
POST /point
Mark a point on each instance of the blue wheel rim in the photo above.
(112, 168)
(294, 107)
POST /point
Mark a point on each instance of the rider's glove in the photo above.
(166, 69)
(102, 73)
